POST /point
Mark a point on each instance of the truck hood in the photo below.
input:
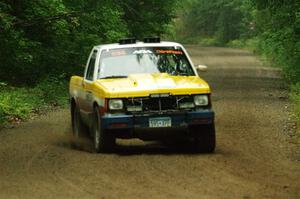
(142, 85)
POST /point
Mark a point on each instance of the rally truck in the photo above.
(146, 89)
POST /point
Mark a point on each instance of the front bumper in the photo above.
(141, 121)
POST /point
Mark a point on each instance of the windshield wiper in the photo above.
(114, 76)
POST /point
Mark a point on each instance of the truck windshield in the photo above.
(126, 61)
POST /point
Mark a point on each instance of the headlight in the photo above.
(115, 104)
(201, 100)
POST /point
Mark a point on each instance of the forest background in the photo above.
(44, 42)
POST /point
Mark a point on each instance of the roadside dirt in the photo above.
(256, 156)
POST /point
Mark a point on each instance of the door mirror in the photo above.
(201, 68)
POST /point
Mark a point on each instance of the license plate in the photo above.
(160, 122)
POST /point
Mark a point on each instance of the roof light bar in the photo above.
(152, 40)
(127, 41)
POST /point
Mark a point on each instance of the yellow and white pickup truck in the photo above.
(148, 90)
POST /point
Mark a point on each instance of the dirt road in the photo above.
(256, 154)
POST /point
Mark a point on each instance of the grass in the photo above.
(18, 104)
(295, 98)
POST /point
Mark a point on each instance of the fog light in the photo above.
(134, 108)
(186, 105)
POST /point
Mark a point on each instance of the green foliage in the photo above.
(53, 91)
(278, 24)
(203, 41)
(252, 44)
(16, 103)
(237, 43)
(295, 96)
(208, 41)
(20, 102)
(41, 40)
(54, 37)
(146, 18)
(270, 28)
(222, 20)
(28, 39)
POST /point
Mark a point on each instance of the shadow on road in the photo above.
(136, 147)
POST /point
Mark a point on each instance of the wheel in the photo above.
(204, 138)
(102, 141)
(78, 127)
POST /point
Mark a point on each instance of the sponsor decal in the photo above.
(176, 52)
(142, 52)
(118, 53)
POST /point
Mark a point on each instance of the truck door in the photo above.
(87, 95)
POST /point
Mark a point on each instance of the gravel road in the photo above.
(256, 155)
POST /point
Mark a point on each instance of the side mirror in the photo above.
(201, 68)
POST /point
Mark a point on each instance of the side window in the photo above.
(91, 67)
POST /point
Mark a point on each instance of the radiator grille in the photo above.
(158, 104)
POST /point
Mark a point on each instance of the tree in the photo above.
(54, 37)
(222, 19)
(278, 23)
(147, 18)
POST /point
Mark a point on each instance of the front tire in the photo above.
(102, 141)
(204, 138)
(78, 127)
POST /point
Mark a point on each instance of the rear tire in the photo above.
(102, 141)
(204, 138)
